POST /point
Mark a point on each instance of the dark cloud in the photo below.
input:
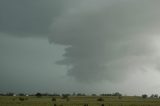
(108, 39)
(29, 17)
(104, 39)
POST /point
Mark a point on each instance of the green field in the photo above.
(78, 101)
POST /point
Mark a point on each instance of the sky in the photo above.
(87, 46)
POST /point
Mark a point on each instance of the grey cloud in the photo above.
(108, 40)
(29, 17)
(104, 39)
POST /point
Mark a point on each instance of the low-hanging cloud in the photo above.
(106, 40)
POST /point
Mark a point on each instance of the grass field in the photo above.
(78, 101)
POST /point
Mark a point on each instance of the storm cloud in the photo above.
(104, 39)
(31, 18)
(107, 40)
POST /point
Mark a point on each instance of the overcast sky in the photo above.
(87, 46)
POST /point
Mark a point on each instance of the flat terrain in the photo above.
(78, 101)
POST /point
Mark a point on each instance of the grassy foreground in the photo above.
(78, 101)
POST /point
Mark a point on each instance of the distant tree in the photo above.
(101, 94)
(55, 94)
(10, 94)
(94, 95)
(66, 96)
(102, 104)
(154, 96)
(144, 96)
(105, 94)
(116, 94)
(108, 94)
(113, 94)
(21, 94)
(85, 104)
(21, 99)
(100, 99)
(38, 94)
(53, 99)
(1, 94)
(45, 94)
(81, 94)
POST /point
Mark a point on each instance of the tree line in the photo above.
(38, 94)
(56, 94)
